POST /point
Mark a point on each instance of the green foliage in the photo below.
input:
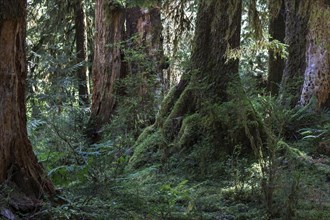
(170, 196)
(59, 142)
(249, 157)
(51, 53)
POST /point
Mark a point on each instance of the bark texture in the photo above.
(81, 47)
(317, 72)
(297, 17)
(307, 68)
(18, 163)
(216, 32)
(128, 42)
(144, 35)
(276, 63)
(107, 65)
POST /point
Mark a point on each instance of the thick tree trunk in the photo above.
(112, 62)
(18, 164)
(276, 63)
(81, 47)
(180, 120)
(317, 72)
(144, 35)
(216, 32)
(297, 17)
(307, 69)
(107, 65)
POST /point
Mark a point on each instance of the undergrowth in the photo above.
(288, 177)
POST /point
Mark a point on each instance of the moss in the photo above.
(182, 107)
(166, 106)
(112, 10)
(146, 132)
(146, 151)
(190, 129)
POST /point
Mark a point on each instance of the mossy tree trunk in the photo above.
(217, 31)
(276, 63)
(296, 29)
(18, 164)
(205, 84)
(307, 68)
(144, 55)
(317, 72)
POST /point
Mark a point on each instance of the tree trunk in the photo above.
(18, 164)
(317, 72)
(276, 63)
(142, 39)
(107, 65)
(144, 33)
(307, 69)
(214, 35)
(180, 120)
(297, 17)
(81, 47)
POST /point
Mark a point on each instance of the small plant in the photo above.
(172, 198)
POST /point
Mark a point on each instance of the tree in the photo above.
(306, 73)
(184, 119)
(81, 47)
(52, 54)
(296, 27)
(121, 54)
(144, 33)
(18, 163)
(277, 32)
(317, 72)
(107, 64)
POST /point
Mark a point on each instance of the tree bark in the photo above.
(112, 61)
(216, 32)
(107, 65)
(81, 47)
(297, 16)
(276, 63)
(144, 36)
(317, 73)
(307, 68)
(18, 164)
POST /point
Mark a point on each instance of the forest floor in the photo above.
(301, 190)
(104, 188)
